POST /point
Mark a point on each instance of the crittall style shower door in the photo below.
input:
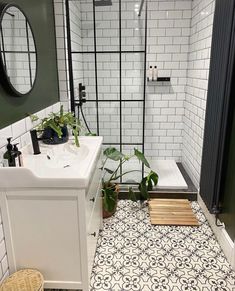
(107, 53)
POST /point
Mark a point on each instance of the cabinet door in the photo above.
(93, 229)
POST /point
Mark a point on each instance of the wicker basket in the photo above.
(24, 280)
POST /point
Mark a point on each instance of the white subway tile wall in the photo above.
(19, 131)
(168, 44)
(197, 83)
(167, 47)
(178, 43)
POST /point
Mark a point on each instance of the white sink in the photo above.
(62, 165)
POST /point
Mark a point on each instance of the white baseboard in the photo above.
(221, 234)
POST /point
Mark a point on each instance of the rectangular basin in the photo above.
(62, 166)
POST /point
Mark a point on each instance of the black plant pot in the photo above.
(49, 136)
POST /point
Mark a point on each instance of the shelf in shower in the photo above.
(160, 79)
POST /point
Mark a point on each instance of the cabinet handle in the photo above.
(93, 234)
(92, 199)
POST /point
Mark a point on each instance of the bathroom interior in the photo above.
(153, 77)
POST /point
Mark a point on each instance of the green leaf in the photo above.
(75, 133)
(140, 156)
(132, 195)
(113, 154)
(143, 188)
(33, 117)
(61, 110)
(110, 198)
(109, 171)
(152, 180)
(51, 123)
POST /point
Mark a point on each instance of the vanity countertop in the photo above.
(58, 166)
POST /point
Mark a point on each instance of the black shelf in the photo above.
(161, 79)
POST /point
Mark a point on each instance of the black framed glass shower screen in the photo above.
(107, 53)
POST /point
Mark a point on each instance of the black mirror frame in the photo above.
(5, 80)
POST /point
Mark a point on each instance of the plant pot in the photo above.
(49, 136)
(107, 214)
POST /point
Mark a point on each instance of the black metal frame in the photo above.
(6, 82)
(95, 52)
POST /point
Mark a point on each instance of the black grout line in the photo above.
(145, 80)
(96, 73)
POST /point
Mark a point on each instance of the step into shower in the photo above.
(174, 182)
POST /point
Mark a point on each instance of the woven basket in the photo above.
(24, 280)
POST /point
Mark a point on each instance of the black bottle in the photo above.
(17, 156)
(9, 154)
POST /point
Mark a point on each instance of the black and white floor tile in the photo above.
(134, 255)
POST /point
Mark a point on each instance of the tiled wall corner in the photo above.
(197, 84)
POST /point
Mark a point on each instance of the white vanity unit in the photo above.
(52, 212)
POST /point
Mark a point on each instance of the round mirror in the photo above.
(17, 51)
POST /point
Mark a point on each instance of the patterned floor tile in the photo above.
(134, 255)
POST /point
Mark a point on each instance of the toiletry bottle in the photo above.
(18, 156)
(9, 154)
(150, 73)
(155, 73)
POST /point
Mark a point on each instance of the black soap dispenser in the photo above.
(9, 154)
(18, 156)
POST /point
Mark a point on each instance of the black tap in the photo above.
(35, 139)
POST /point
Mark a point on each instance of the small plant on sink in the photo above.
(110, 187)
(55, 127)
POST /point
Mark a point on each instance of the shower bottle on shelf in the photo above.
(155, 73)
(150, 74)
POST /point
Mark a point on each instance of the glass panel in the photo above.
(133, 26)
(109, 121)
(75, 25)
(112, 165)
(107, 27)
(84, 69)
(78, 72)
(89, 110)
(87, 26)
(132, 76)
(132, 122)
(132, 165)
(108, 76)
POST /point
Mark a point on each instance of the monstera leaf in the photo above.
(113, 154)
(140, 156)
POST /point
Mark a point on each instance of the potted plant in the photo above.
(55, 127)
(110, 186)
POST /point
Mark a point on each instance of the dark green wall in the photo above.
(228, 195)
(45, 92)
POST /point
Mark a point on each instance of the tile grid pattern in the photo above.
(132, 254)
(197, 84)
(168, 38)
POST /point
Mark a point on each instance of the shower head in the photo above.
(103, 2)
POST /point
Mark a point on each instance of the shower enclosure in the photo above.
(107, 42)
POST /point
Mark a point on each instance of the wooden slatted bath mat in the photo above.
(172, 212)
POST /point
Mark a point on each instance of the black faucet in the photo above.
(35, 139)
